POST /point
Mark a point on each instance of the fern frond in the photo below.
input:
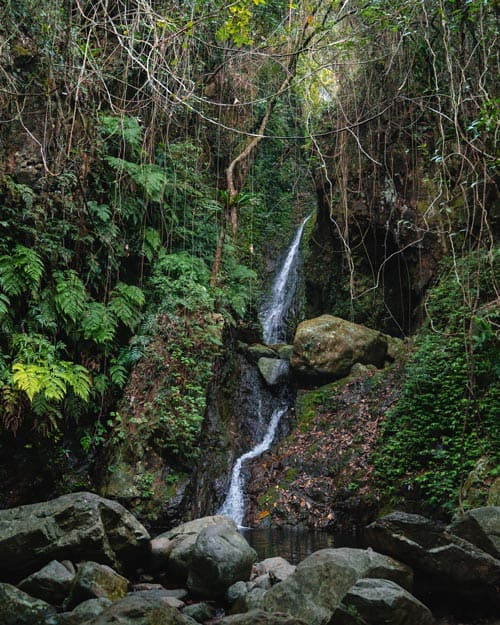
(4, 304)
(71, 296)
(150, 177)
(126, 302)
(20, 271)
(28, 378)
(118, 374)
(98, 324)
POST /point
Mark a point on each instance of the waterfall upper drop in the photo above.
(273, 317)
(274, 311)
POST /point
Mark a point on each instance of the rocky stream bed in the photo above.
(84, 560)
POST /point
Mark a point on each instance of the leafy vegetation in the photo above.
(447, 416)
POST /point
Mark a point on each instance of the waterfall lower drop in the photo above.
(273, 317)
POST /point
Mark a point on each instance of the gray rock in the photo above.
(481, 527)
(278, 568)
(256, 351)
(79, 526)
(220, 557)
(381, 602)
(18, 608)
(273, 370)
(52, 583)
(260, 617)
(137, 609)
(200, 612)
(94, 580)
(442, 561)
(314, 591)
(172, 550)
(161, 595)
(369, 563)
(81, 614)
(327, 347)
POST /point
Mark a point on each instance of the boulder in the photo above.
(327, 347)
(79, 526)
(314, 591)
(52, 583)
(381, 602)
(94, 580)
(273, 370)
(481, 527)
(277, 568)
(136, 609)
(444, 564)
(200, 612)
(256, 351)
(162, 595)
(81, 614)
(260, 617)
(171, 551)
(18, 608)
(220, 557)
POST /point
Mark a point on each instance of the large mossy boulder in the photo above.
(326, 347)
(314, 591)
(445, 565)
(79, 526)
(94, 581)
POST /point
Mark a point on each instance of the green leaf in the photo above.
(126, 303)
(20, 271)
(98, 323)
(71, 296)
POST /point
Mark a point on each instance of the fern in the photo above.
(150, 177)
(51, 380)
(4, 304)
(21, 271)
(98, 324)
(118, 374)
(71, 296)
(125, 303)
(151, 243)
(125, 129)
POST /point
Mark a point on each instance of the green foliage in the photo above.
(70, 294)
(20, 271)
(447, 415)
(125, 303)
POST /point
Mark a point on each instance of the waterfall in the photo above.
(273, 317)
(274, 311)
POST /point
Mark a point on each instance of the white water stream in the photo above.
(273, 316)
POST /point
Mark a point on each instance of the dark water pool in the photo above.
(294, 545)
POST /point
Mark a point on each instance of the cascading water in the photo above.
(273, 317)
(274, 311)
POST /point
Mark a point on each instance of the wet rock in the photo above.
(257, 351)
(79, 526)
(18, 608)
(95, 580)
(481, 527)
(381, 602)
(52, 583)
(220, 557)
(327, 347)
(273, 370)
